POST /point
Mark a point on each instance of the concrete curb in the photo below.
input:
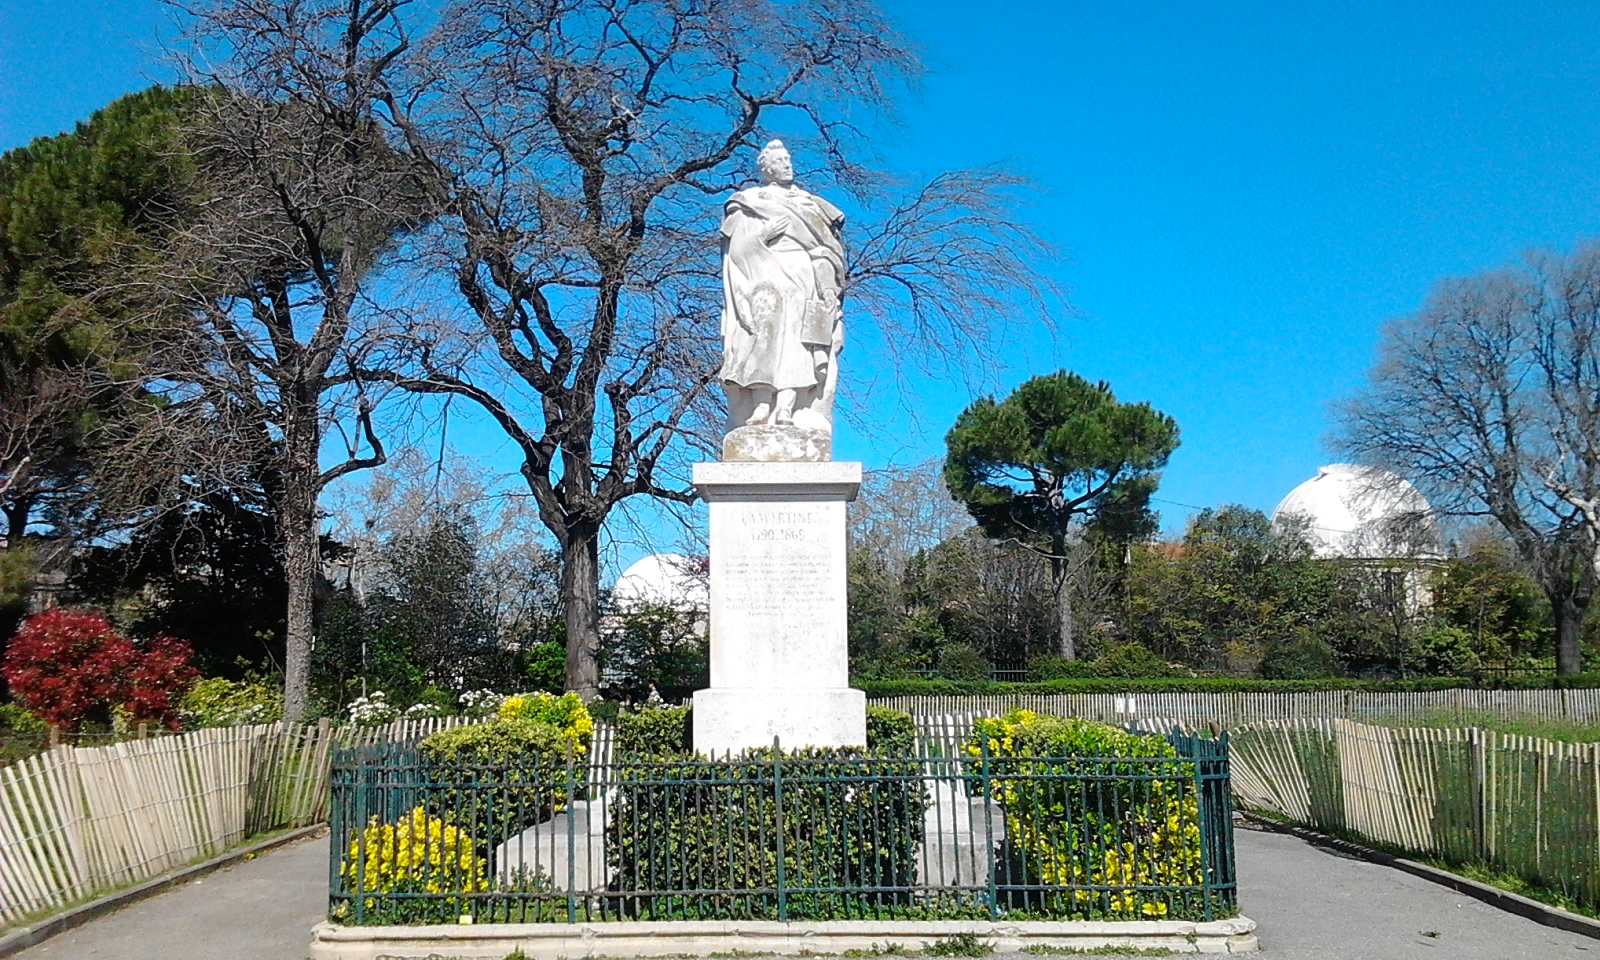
(1516, 903)
(703, 938)
(20, 939)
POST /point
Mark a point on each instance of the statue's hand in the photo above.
(776, 227)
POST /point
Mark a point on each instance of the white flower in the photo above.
(372, 709)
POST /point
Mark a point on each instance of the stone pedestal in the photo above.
(779, 641)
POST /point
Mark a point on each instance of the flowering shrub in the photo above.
(220, 702)
(481, 704)
(566, 713)
(416, 854)
(70, 665)
(1117, 825)
(372, 710)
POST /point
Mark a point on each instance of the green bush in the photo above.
(1133, 660)
(655, 732)
(605, 710)
(1446, 648)
(958, 661)
(718, 827)
(891, 732)
(220, 702)
(22, 734)
(496, 778)
(1054, 667)
(1300, 658)
(1078, 818)
(669, 732)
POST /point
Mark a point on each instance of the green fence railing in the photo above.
(784, 836)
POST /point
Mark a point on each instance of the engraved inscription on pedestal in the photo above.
(778, 582)
(778, 565)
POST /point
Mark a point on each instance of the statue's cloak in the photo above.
(780, 293)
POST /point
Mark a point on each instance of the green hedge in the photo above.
(891, 732)
(967, 688)
(1087, 818)
(847, 819)
(681, 825)
(655, 732)
(669, 732)
(498, 778)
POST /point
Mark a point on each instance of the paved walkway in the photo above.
(261, 909)
(1311, 904)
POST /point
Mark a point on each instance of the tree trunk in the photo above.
(17, 520)
(1067, 642)
(580, 594)
(1569, 613)
(297, 515)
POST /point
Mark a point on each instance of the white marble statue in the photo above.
(782, 329)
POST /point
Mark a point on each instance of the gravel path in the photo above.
(1310, 904)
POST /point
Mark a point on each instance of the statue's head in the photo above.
(775, 164)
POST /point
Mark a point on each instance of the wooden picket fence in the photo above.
(76, 821)
(1225, 710)
(1525, 805)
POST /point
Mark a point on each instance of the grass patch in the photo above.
(1518, 724)
(1511, 883)
(959, 945)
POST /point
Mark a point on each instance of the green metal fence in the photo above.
(783, 835)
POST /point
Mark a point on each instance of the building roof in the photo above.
(1364, 513)
(662, 580)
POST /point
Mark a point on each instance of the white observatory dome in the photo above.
(661, 580)
(1362, 513)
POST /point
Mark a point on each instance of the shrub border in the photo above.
(884, 689)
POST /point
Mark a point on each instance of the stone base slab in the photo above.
(765, 443)
(549, 941)
(728, 720)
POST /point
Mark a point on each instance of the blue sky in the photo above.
(1245, 191)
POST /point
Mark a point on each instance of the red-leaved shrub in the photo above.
(71, 665)
(157, 681)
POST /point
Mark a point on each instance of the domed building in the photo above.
(1352, 512)
(669, 580)
(659, 613)
(1369, 515)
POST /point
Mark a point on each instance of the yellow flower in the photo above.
(417, 850)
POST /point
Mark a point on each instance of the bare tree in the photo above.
(901, 511)
(254, 315)
(585, 148)
(1489, 399)
(580, 149)
(410, 492)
